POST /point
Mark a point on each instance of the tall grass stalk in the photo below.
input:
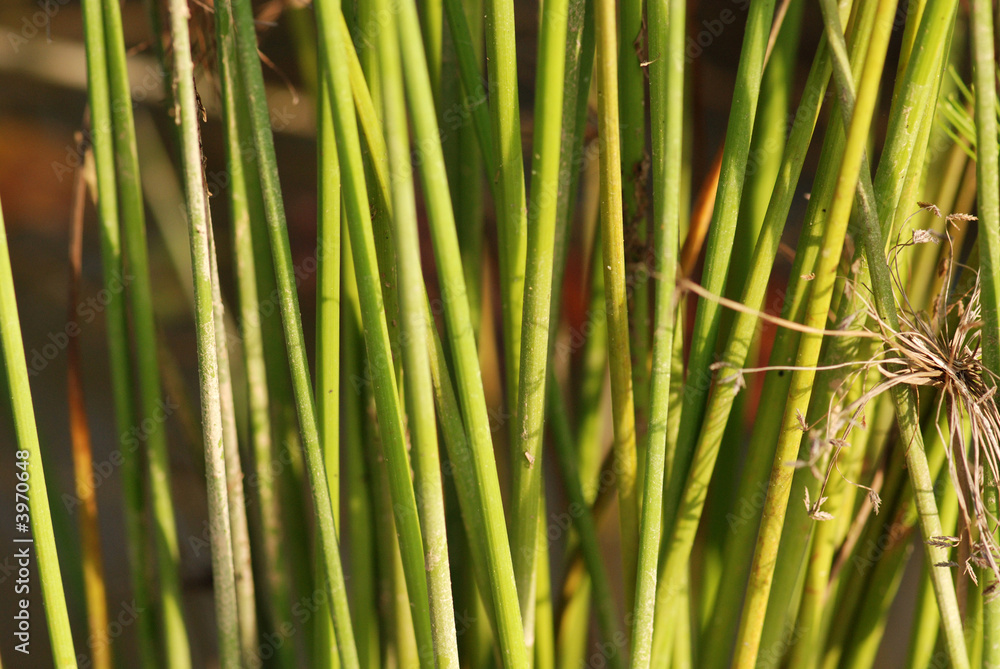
(666, 43)
(906, 410)
(246, 606)
(734, 355)
(461, 338)
(140, 302)
(719, 247)
(117, 332)
(616, 303)
(529, 413)
(505, 118)
(245, 204)
(632, 59)
(475, 462)
(797, 530)
(604, 602)
(328, 334)
(414, 332)
(94, 580)
(252, 80)
(988, 208)
(360, 512)
(778, 491)
(377, 341)
(707, 561)
(223, 575)
(30, 473)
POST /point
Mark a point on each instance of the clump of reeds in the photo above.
(940, 349)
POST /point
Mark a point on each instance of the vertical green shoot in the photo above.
(666, 85)
(32, 497)
(612, 243)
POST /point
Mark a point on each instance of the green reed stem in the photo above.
(809, 347)
(246, 206)
(632, 49)
(579, 510)
(118, 346)
(415, 339)
(186, 110)
(377, 340)
(612, 243)
(252, 79)
(477, 463)
(360, 515)
(719, 247)
(666, 81)
(734, 354)
(328, 315)
(505, 116)
(31, 497)
(139, 292)
(461, 336)
(475, 94)
(874, 240)
(988, 209)
(529, 413)
(797, 530)
(246, 607)
(465, 163)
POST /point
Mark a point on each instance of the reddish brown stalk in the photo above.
(701, 215)
(93, 564)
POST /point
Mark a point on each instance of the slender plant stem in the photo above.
(140, 302)
(462, 39)
(720, 246)
(328, 315)
(797, 531)
(328, 302)
(822, 287)
(376, 330)
(186, 110)
(252, 80)
(632, 38)
(505, 116)
(118, 347)
(915, 88)
(612, 243)
(246, 608)
(360, 514)
(529, 412)
(464, 160)
(32, 498)
(485, 516)
(461, 337)
(735, 353)
(607, 616)
(432, 29)
(905, 405)
(415, 329)
(666, 81)
(740, 542)
(245, 205)
(988, 209)
(544, 623)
